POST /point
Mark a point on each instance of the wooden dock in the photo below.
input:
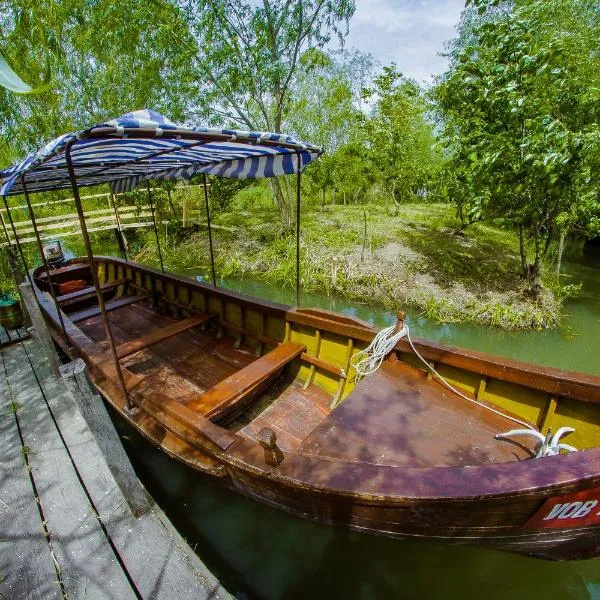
(65, 528)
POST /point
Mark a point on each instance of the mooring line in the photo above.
(79, 477)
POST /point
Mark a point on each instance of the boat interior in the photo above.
(190, 349)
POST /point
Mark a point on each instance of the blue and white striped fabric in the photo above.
(160, 150)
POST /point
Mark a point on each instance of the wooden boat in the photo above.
(263, 397)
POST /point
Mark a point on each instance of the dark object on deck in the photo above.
(11, 315)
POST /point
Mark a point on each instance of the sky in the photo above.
(410, 33)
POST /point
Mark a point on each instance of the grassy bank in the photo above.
(408, 259)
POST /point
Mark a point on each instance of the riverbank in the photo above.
(412, 258)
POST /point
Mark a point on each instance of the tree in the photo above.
(104, 61)
(249, 55)
(399, 138)
(325, 109)
(518, 119)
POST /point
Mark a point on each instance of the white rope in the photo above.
(549, 445)
(367, 361)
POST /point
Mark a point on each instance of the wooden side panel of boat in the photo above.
(489, 504)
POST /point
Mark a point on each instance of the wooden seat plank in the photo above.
(89, 291)
(94, 311)
(162, 334)
(222, 397)
(196, 423)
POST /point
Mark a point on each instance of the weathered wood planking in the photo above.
(88, 565)
(158, 560)
(25, 561)
(94, 311)
(91, 406)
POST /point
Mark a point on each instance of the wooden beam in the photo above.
(94, 311)
(161, 334)
(222, 397)
(189, 418)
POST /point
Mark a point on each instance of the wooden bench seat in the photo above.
(94, 311)
(228, 394)
(162, 334)
(87, 292)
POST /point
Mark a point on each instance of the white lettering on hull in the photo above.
(571, 510)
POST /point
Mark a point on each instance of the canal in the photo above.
(260, 552)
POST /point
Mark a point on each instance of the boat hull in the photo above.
(529, 507)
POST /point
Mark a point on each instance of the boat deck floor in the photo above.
(182, 366)
(394, 417)
(398, 417)
(194, 361)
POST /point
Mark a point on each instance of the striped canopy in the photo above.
(144, 145)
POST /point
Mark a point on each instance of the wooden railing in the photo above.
(64, 225)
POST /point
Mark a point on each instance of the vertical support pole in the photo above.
(94, 272)
(298, 231)
(210, 242)
(18, 242)
(5, 230)
(46, 267)
(162, 266)
(171, 205)
(120, 235)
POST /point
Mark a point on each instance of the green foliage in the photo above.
(519, 121)
(399, 138)
(104, 61)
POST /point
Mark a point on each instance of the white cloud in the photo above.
(410, 33)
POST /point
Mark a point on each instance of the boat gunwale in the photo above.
(557, 474)
(560, 382)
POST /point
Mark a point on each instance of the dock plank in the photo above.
(87, 562)
(25, 561)
(158, 560)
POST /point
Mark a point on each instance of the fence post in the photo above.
(94, 412)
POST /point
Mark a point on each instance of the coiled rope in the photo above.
(367, 361)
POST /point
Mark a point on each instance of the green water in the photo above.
(259, 552)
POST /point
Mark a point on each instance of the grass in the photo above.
(409, 259)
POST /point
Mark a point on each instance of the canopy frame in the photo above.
(196, 138)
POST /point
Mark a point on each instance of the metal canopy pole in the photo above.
(298, 233)
(210, 242)
(46, 266)
(19, 247)
(5, 230)
(162, 266)
(94, 271)
(113, 201)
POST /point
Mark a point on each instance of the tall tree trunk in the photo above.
(522, 251)
(282, 202)
(561, 248)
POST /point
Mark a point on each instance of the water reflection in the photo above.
(259, 552)
(575, 346)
